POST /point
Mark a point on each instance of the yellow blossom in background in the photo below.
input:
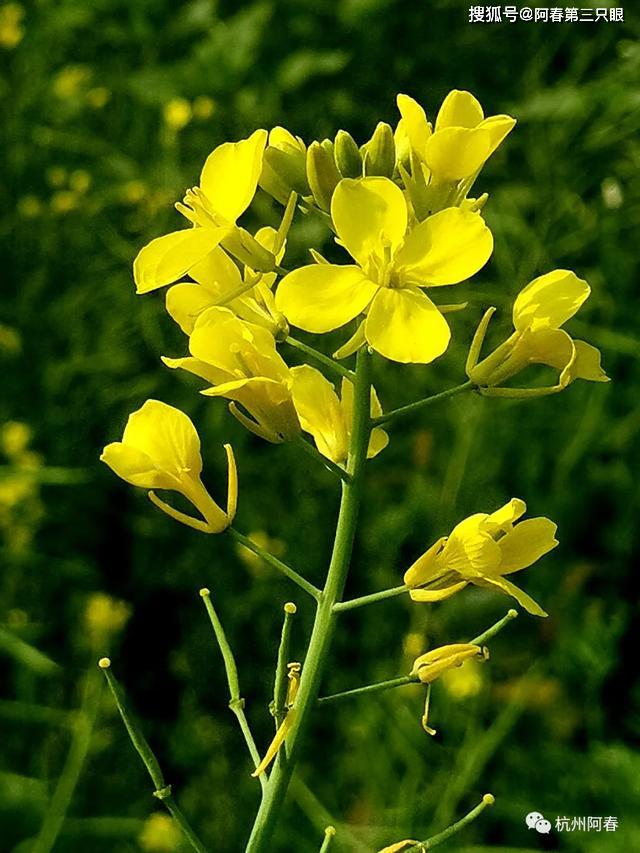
(241, 362)
(10, 340)
(540, 309)
(370, 217)
(104, 617)
(177, 113)
(133, 191)
(327, 417)
(481, 550)
(56, 176)
(228, 183)
(218, 279)
(69, 82)
(160, 834)
(98, 97)
(160, 449)
(203, 107)
(79, 180)
(465, 681)
(14, 438)
(11, 28)
(431, 665)
(64, 201)
(252, 561)
(29, 206)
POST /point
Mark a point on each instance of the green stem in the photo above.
(162, 790)
(389, 684)
(315, 454)
(363, 600)
(324, 623)
(303, 583)
(441, 837)
(421, 404)
(321, 358)
(25, 654)
(280, 684)
(481, 639)
(403, 680)
(76, 758)
(236, 702)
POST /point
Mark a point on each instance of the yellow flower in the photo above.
(160, 835)
(401, 845)
(70, 80)
(160, 449)
(227, 185)
(370, 218)
(104, 616)
(203, 107)
(240, 360)
(327, 417)
(431, 665)
(218, 279)
(177, 113)
(463, 139)
(481, 550)
(14, 438)
(11, 29)
(539, 311)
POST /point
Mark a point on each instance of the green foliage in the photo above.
(94, 156)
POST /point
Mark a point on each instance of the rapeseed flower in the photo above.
(539, 311)
(240, 361)
(481, 550)
(431, 665)
(160, 449)
(370, 217)
(228, 182)
(327, 417)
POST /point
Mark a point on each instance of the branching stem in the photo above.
(394, 414)
(321, 358)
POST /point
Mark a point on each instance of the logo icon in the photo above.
(536, 820)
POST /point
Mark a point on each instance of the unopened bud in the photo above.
(322, 174)
(347, 155)
(380, 156)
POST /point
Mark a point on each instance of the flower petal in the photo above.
(508, 588)
(230, 175)
(414, 124)
(526, 543)
(437, 594)
(369, 214)
(167, 436)
(320, 412)
(404, 325)
(549, 300)
(166, 259)
(135, 467)
(446, 248)
(322, 297)
(503, 518)
(587, 363)
(457, 152)
(499, 128)
(185, 303)
(459, 109)
(217, 273)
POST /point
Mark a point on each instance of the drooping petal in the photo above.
(166, 259)
(369, 214)
(405, 326)
(230, 175)
(470, 551)
(414, 124)
(526, 543)
(320, 412)
(426, 568)
(549, 300)
(211, 374)
(322, 297)
(455, 153)
(545, 345)
(446, 248)
(587, 363)
(217, 273)
(507, 588)
(267, 401)
(431, 595)
(167, 436)
(459, 109)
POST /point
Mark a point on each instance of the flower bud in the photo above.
(322, 174)
(380, 156)
(347, 155)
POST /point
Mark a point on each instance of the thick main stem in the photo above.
(323, 626)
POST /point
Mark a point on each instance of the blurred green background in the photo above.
(108, 110)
